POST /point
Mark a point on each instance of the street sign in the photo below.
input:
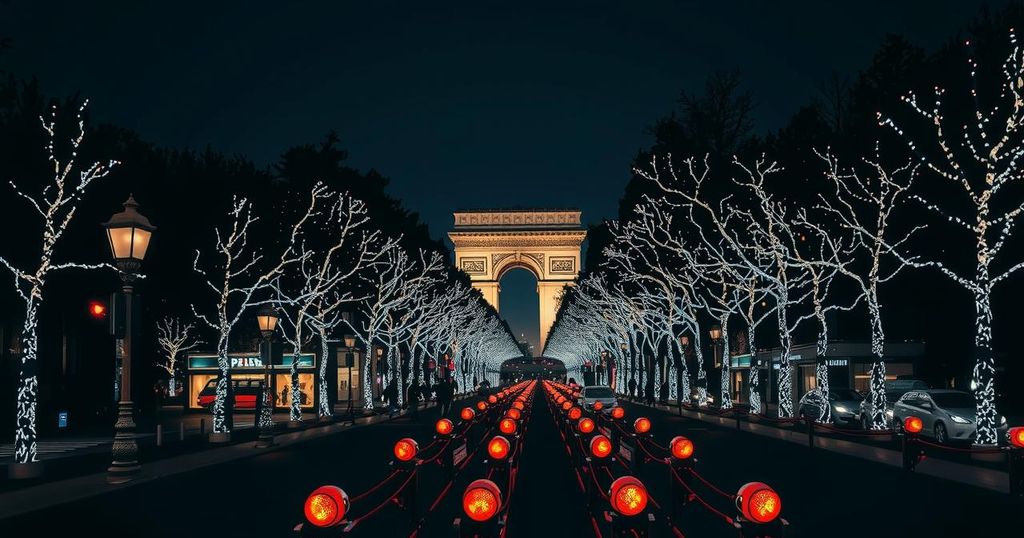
(62, 419)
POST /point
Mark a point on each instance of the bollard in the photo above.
(159, 435)
(181, 431)
(810, 432)
(913, 453)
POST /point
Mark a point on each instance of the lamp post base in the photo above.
(125, 464)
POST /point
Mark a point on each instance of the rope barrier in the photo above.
(381, 506)
(698, 498)
(375, 488)
(661, 460)
(972, 450)
(711, 486)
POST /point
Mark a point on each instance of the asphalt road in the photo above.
(823, 494)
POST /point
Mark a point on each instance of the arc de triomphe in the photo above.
(547, 243)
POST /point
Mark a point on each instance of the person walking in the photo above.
(632, 388)
(444, 396)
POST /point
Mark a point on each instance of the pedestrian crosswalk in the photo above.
(45, 448)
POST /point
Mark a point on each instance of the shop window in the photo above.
(862, 374)
(343, 378)
(283, 390)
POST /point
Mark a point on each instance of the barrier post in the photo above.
(159, 435)
(1015, 460)
(810, 432)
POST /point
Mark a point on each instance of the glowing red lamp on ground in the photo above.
(467, 413)
(682, 448)
(507, 426)
(758, 502)
(585, 425)
(405, 449)
(575, 413)
(598, 406)
(913, 424)
(1017, 436)
(498, 447)
(518, 404)
(600, 447)
(444, 427)
(481, 406)
(326, 506)
(628, 496)
(642, 425)
(492, 399)
(482, 500)
(566, 405)
(618, 413)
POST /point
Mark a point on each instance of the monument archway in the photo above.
(546, 242)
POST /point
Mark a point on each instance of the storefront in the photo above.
(350, 375)
(247, 375)
(849, 366)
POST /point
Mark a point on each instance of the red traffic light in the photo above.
(443, 426)
(467, 413)
(326, 506)
(642, 425)
(758, 502)
(1017, 436)
(498, 447)
(97, 309)
(405, 449)
(481, 500)
(585, 425)
(628, 496)
(575, 413)
(913, 425)
(682, 448)
(600, 447)
(618, 413)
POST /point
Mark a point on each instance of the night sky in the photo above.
(461, 104)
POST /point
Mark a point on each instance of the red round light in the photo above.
(600, 446)
(498, 447)
(482, 500)
(518, 404)
(575, 413)
(507, 426)
(513, 414)
(913, 424)
(1017, 436)
(467, 413)
(585, 425)
(598, 406)
(628, 496)
(326, 506)
(618, 413)
(481, 406)
(758, 502)
(492, 399)
(642, 425)
(443, 426)
(566, 405)
(682, 448)
(97, 309)
(405, 449)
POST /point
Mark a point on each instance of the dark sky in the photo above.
(462, 104)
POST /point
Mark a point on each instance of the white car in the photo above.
(592, 394)
(948, 415)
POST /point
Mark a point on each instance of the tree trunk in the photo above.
(325, 402)
(726, 395)
(983, 378)
(25, 448)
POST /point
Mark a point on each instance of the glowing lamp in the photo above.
(758, 502)
(444, 427)
(481, 406)
(575, 413)
(467, 413)
(518, 404)
(600, 447)
(913, 424)
(598, 406)
(566, 405)
(1017, 436)
(326, 506)
(628, 496)
(128, 233)
(405, 449)
(618, 413)
(492, 399)
(266, 318)
(513, 414)
(507, 426)
(682, 448)
(498, 447)
(97, 309)
(482, 500)
(642, 425)
(585, 425)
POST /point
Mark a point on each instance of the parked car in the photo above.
(845, 404)
(695, 397)
(947, 415)
(246, 392)
(893, 391)
(597, 393)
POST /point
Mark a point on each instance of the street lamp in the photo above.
(129, 234)
(379, 352)
(350, 344)
(267, 318)
(716, 340)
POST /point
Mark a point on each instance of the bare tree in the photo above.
(174, 338)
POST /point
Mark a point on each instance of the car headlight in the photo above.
(841, 409)
(958, 419)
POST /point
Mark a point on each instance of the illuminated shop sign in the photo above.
(246, 361)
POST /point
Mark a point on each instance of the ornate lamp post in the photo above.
(350, 344)
(129, 234)
(266, 318)
(379, 353)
